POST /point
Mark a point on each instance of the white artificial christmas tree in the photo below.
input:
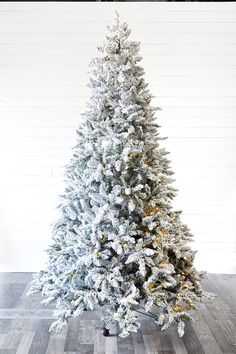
(119, 243)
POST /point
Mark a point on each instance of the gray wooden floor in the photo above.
(24, 324)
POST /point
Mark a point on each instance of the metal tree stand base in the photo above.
(105, 332)
(140, 310)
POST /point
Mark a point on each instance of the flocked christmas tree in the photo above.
(118, 242)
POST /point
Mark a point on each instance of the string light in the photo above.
(164, 233)
(180, 308)
(185, 286)
(151, 211)
(164, 264)
(152, 286)
(191, 305)
(99, 255)
(158, 239)
(72, 274)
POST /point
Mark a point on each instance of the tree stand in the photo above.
(105, 332)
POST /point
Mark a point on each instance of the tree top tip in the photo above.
(117, 16)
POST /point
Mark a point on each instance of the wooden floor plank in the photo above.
(151, 336)
(10, 294)
(15, 277)
(177, 342)
(12, 338)
(165, 342)
(191, 341)
(206, 338)
(138, 343)
(85, 349)
(86, 334)
(72, 343)
(111, 341)
(22, 313)
(3, 338)
(220, 333)
(125, 345)
(41, 338)
(99, 340)
(4, 325)
(25, 342)
(57, 341)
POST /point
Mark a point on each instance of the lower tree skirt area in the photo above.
(24, 324)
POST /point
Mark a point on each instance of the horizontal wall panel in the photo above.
(94, 39)
(74, 121)
(107, 8)
(69, 131)
(60, 114)
(161, 101)
(90, 49)
(137, 16)
(137, 27)
(158, 91)
(77, 69)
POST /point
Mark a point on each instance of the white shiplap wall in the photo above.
(189, 52)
